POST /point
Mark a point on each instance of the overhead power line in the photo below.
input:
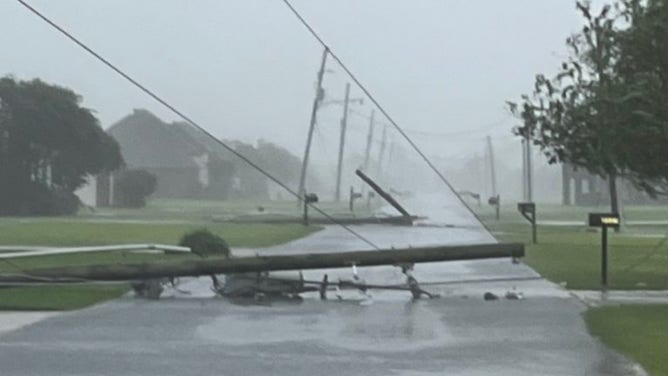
(187, 118)
(393, 123)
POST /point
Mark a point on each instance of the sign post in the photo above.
(496, 202)
(528, 211)
(309, 198)
(353, 196)
(604, 220)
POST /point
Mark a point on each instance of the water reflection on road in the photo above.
(459, 334)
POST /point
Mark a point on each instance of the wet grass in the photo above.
(80, 233)
(573, 255)
(206, 210)
(69, 232)
(638, 256)
(555, 212)
(639, 331)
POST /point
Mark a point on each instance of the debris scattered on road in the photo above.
(489, 296)
(514, 295)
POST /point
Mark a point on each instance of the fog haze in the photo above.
(246, 69)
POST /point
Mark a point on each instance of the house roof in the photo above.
(148, 142)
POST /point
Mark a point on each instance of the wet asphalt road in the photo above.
(459, 334)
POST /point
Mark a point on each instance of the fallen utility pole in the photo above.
(314, 111)
(383, 194)
(212, 266)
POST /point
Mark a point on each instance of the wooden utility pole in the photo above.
(342, 143)
(216, 265)
(492, 171)
(319, 94)
(369, 140)
(524, 171)
(382, 151)
(527, 143)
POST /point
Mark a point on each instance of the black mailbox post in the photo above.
(353, 196)
(528, 211)
(309, 198)
(604, 220)
(496, 202)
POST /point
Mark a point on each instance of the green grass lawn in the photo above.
(639, 331)
(69, 232)
(572, 254)
(206, 210)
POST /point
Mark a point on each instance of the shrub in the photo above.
(204, 243)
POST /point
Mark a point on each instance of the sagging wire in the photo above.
(188, 119)
(376, 103)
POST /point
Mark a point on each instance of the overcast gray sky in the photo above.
(247, 69)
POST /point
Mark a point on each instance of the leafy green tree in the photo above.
(49, 144)
(580, 115)
(642, 66)
(132, 187)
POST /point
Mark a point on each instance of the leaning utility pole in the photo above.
(369, 140)
(314, 110)
(342, 143)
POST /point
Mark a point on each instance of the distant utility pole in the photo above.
(524, 172)
(382, 151)
(495, 200)
(369, 140)
(319, 94)
(492, 171)
(390, 157)
(342, 143)
(529, 168)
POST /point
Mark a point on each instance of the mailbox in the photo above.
(604, 220)
(526, 207)
(310, 198)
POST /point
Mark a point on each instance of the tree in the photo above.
(580, 116)
(279, 161)
(205, 243)
(49, 144)
(643, 68)
(132, 187)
